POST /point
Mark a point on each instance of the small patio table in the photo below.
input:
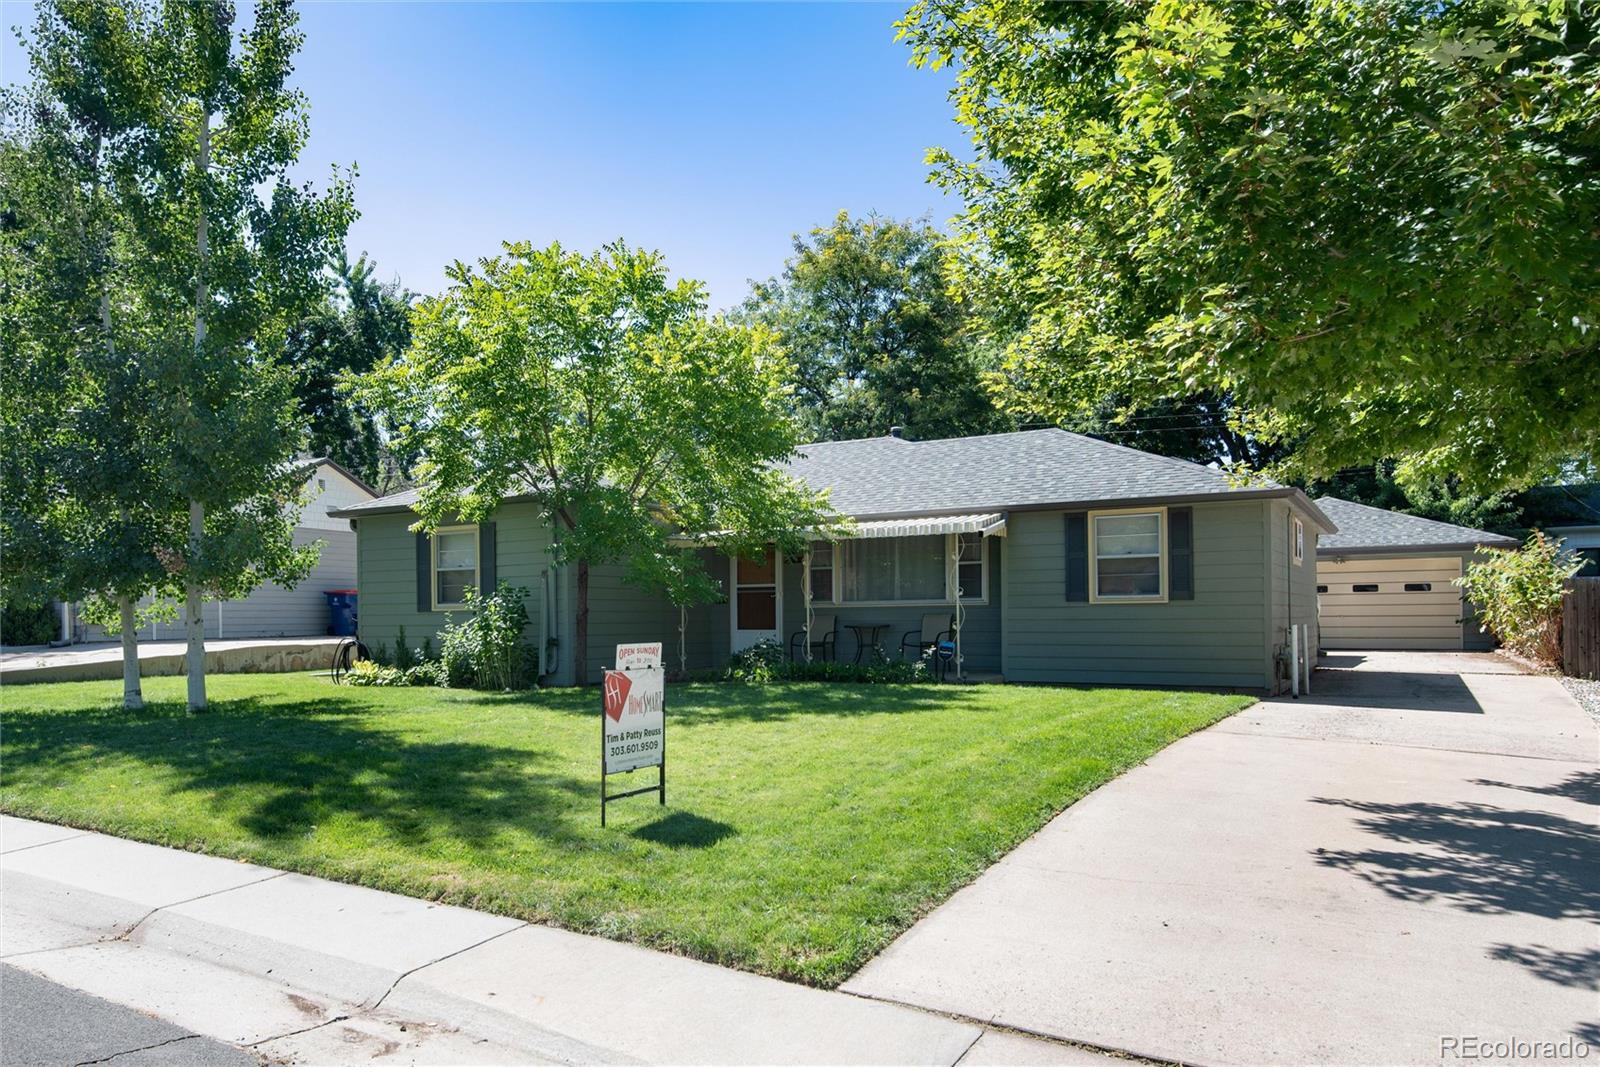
(869, 633)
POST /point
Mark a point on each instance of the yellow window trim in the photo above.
(477, 563)
(1094, 558)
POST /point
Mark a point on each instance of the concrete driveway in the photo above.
(1402, 863)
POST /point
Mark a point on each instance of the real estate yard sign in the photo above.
(633, 720)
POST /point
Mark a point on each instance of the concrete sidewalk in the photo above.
(304, 970)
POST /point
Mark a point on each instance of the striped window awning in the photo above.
(988, 523)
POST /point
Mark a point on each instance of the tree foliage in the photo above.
(161, 297)
(599, 389)
(1518, 594)
(357, 326)
(1372, 225)
(1431, 497)
(865, 311)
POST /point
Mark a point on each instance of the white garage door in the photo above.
(1390, 603)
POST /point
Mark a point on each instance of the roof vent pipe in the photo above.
(897, 432)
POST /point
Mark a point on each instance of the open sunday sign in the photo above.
(633, 720)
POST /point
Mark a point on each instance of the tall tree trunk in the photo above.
(580, 637)
(194, 617)
(132, 693)
(194, 611)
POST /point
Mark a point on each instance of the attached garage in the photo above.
(1386, 580)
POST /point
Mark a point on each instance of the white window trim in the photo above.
(947, 601)
(1094, 558)
(433, 571)
(1297, 543)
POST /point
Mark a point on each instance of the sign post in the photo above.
(633, 720)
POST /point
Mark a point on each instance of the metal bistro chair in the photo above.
(935, 628)
(824, 638)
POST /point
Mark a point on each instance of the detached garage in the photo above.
(1386, 580)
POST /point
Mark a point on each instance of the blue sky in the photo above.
(713, 132)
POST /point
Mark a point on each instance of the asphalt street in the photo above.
(43, 1024)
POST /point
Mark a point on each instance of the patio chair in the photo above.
(824, 638)
(936, 627)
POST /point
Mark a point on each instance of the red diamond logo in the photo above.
(616, 685)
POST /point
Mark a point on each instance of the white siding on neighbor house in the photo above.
(270, 610)
(1216, 639)
(330, 489)
(273, 610)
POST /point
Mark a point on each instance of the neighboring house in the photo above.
(1583, 541)
(271, 610)
(1569, 511)
(1386, 580)
(1076, 561)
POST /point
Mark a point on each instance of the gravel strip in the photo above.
(1586, 693)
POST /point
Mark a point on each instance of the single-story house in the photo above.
(1069, 559)
(1386, 580)
(273, 610)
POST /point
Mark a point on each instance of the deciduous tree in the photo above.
(201, 255)
(602, 391)
(1370, 224)
(877, 338)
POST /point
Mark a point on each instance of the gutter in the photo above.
(1394, 550)
(1295, 496)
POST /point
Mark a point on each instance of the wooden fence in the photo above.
(1580, 628)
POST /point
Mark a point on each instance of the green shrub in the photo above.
(485, 650)
(766, 662)
(28, 624)
(404, 658)
(1518, 595)
(368, 672)
(380, 655)
(761, 663)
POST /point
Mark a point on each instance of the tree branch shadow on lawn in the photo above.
(296, 765)
(697, 703)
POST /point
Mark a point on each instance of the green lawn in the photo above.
(807, 824)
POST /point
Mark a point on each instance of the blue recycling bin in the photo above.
(341, 612)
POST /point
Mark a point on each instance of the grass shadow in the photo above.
(696, 703)
(682, 829)
(287, 767)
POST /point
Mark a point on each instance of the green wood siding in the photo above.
(386, 573)
(1216, 639)
(1294, 587)
(980, 638)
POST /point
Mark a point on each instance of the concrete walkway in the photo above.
(1408, 856)
(245, 655)
(304, 970)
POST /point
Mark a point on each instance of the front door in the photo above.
(755, 600)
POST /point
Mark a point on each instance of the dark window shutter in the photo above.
(424, 572)
(1078, 556)
(1180, 553)
(486, 574)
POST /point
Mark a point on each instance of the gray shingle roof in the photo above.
(884, 477)
(1368, 529)
(891, 476)
(393, 502)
